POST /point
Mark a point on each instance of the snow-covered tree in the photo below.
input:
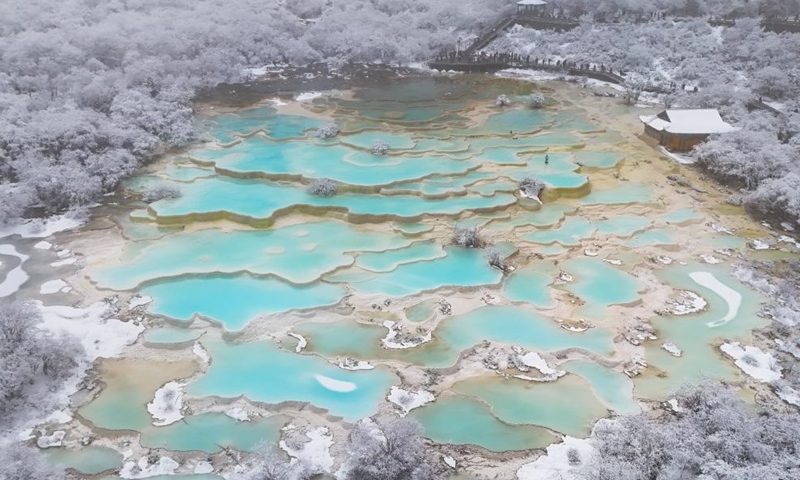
(380, 147)
(31, 356)
(323, 187)
(388, 448)
(160, 192)
(18, 462)
(467, 236)
(328, 130)
(502, 101)
(536, 100)
(531, 187)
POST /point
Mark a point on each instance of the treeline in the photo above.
(731, 68)
(89, 89)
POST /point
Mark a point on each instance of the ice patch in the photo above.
(16, 277)
(54, 286)
(753, 361)
(167, 404)
(408, 400)
(335, 385)
(731, 296)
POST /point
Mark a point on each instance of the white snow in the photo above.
(139, 300)
(720, 228)
(390, 342)
(43, 245)
(53, 440)
(554, 465)
(199, 350)
(16, 277)
(788, 239)
(692, 121)
(301, 342)
(64, 253)
(352, 364)
(238, 413)
(534, 360)
(42, 228)
(66, 261)
(100, 335)
(203, 467)
(590, 252)
(449, 461)
(678, 158)
(54, 286)
(759, 245)
(167, 404)
(612, 261)
(688, 304)
(788, 395)
(673, 404)
(753, 361)
(314, 454)
(335, 385)
(672, 349)
(664, 259)
(143, 469)
(710, 259)
(305, 96)
(731, 296)
(408, 400)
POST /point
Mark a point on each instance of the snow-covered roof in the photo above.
(689, 122)
(531, 2)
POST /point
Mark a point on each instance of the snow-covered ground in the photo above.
(534, 360)
(143, 468)
(42, 228)
(678, 158)
(314, 454)
(753, 361)
(555, 464)
(167, 404)
(100, 335)
(409, 400)
(54, 286)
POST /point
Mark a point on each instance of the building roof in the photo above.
(689, 122)
(531, 2)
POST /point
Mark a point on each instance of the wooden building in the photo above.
(681, 130)
(531, 7)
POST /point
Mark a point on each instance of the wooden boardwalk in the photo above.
(478, 64)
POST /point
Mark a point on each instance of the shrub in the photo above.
(497, 260)
(329, 130)
(531, 187)
(323, 187)
(469, 237)
(502, 101)
(160, 192)
(380, 147)
(536, 100)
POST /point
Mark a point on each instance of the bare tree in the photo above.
(160, 192)
(467, 236)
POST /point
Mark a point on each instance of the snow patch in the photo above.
(100, 335)
(238, 413)
(335, 385)
(678, 158)
(672, 349)
(759, 245)
(688, 303)
(301, 342)
(753, 361)
(143, 469)
(66, 261)
(203, 467)
(199, 350)
(54, 286)
(353, 364)
(167, 404)
(43, 245)
(534, 360)
(42, 228)
(53, 440)
(16, 277)
(788, 395)
(555, 464)
(408, 400)
(391, 341)
(314, 454)
(139, 300)
(710, 259)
